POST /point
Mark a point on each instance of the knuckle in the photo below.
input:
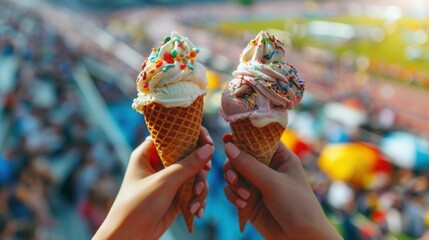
(204, 130)
(200, 177)
(206, 188)
(227, 165)
(232, 187)
(135, 154)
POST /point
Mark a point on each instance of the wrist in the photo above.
(111, 229)
(314, 226)
(104, 232)
(325, 230)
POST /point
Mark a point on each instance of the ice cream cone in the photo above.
(261, 143)
(170, 88)
(175, 132)
(256, 103)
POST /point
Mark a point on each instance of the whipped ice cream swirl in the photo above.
(170, 75)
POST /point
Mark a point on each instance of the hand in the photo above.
(287, 209)
(144, 207)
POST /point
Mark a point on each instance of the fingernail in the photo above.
(243, 193)
(227, 138)
(148, 138)
(200, 212)
(205, 152)
(232, 150)
(199, 188)
(240, 203)
(231, 176)
(195, 206)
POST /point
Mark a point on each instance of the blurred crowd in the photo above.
(386, 201)
(54, 157)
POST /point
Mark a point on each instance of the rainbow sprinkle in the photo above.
(168, 66)
(190, 66)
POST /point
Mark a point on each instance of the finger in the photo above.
(205, 137)
(282, 151)
(139, 164)
(234, 198)
(154, 159)
(197, 202)
(204, 204)
(236, 183)
(284, 160)
(200, 181)
(177, 173)
(241, 188)
(231, 176)
(208, 166)
(200, 211)
(250, 168)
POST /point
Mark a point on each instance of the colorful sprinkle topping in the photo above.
(190, 66)
(175, 52)
(165, 69)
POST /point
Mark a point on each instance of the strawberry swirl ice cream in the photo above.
(264, 87)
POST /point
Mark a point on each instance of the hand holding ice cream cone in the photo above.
(257, 100)
(288, 208)
(144, 207)
(170, 88)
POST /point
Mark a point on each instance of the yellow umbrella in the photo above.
(426, 217)
(289, 138)
(213, 81)
(351, 162)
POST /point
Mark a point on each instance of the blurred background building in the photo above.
(67, 80)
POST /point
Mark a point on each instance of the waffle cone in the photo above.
(175, 132)
(261, 143)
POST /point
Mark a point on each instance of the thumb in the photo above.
(255, 171)
(177, 173)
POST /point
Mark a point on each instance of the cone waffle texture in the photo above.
(261, 143)
(175, 132)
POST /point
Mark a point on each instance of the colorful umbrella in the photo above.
(213, 81)
(291, 139)
(406, 150)
(356, 163)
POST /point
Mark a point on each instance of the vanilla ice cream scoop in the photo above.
(264, 87)
(170, 75)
